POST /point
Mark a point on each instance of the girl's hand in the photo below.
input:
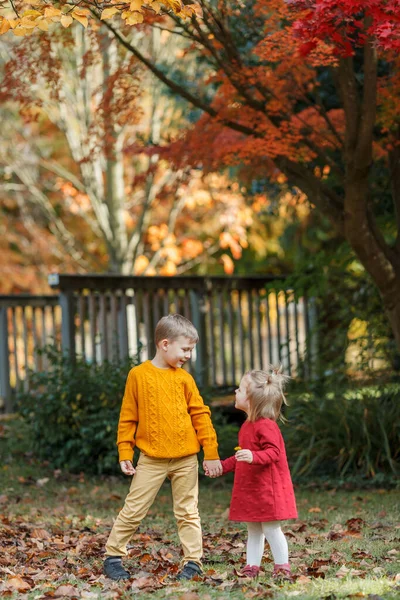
(212, 468)
(127, 467)
(244, 456)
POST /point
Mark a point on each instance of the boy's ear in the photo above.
(163, 345)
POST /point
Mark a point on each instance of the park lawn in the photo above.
(53, 527)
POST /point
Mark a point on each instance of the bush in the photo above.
(72, 413)
(72, 410)
(348, 432)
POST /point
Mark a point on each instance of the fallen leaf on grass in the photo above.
(17, 583)
(335, 535)
(40, 534)
(67, 591)
(145, 582)
(361, 554)
(42, 482)
(303, 579)
(314, 509)
(316, 572)
(344, 571)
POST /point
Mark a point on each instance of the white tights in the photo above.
(272, 532)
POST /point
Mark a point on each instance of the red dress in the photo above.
(263, 489)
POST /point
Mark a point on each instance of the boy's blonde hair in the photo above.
(173, 326)
(265, 393)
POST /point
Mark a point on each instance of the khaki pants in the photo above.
(149, 477)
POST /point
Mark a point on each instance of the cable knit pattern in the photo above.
(164, 415)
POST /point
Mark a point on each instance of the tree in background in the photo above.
(88, 161)
(21, 17)
(327, 119)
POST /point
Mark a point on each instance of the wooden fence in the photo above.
(27, 324)
(243, 323)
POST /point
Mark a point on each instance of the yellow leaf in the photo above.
(21, 31)
(108, 13)
(28, 23)
(4, 25)
(52, 12)
(191, 10)
(31, 13)
(82, 12)
(135, 19)
(156, 6)
(80, 19)
(66, 20)
(43, 24)
(14, 22)
(176, 5)
(136, 5)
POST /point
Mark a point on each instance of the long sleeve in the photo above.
(269, 441)
(229, 464)
(200, 415)
(128, 420)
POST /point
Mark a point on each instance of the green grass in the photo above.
(53, 527)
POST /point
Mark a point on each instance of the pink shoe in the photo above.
(251, 572)
(282, 572)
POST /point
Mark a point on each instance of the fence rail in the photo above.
(243, 323)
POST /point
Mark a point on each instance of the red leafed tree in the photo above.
(308, 89)
(347, 23)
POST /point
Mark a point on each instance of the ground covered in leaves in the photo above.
(53, 528)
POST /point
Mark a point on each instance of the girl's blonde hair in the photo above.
(265, 392)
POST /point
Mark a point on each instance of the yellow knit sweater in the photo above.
(164, 415)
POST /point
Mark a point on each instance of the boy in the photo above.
(164, 415)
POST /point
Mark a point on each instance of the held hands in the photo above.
(212, 468)
(244, 456)
(127, 467)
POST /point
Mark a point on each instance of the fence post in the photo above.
(199, 308)
(67, 322)
(5, 386)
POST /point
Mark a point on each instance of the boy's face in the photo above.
(177, 352)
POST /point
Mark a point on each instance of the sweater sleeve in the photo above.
(128, 420)
(269, 440)
(229, 464)
(200, 415)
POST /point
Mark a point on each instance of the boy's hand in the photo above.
(127, 467)
(212, 468)
(244, 456)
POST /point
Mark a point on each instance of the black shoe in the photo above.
(113, 568)
(189, 571)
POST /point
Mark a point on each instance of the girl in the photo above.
(262, 491)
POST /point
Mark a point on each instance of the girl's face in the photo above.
(241, 400)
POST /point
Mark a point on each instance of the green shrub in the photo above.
(348, 432)
(72, 410)
(72, 413)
